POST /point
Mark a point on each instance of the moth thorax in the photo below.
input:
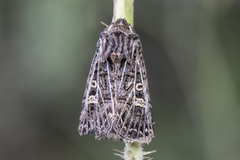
(116, 57)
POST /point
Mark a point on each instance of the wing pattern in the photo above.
(116, 102)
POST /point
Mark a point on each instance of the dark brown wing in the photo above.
(134, 120)
(87, 121)
(98, 100)
(116, 102)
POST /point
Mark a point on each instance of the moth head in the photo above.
(121, 22)
(120, 25)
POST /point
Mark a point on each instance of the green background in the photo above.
(192, 54)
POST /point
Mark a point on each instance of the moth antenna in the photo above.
(130, 28)
(104, 23)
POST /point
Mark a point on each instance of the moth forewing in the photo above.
(116, 101)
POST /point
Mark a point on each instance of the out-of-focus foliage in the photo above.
(192, 53)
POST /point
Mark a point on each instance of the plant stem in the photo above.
(129, 11)
(123, 9)
(133, 151)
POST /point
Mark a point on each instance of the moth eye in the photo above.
(94, 84)
(139, 87)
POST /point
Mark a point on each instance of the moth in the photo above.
(116, 102)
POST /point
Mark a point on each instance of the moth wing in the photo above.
(96, 101)
(87, 120)
(135, 117)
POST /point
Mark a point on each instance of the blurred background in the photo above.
(192, 54)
